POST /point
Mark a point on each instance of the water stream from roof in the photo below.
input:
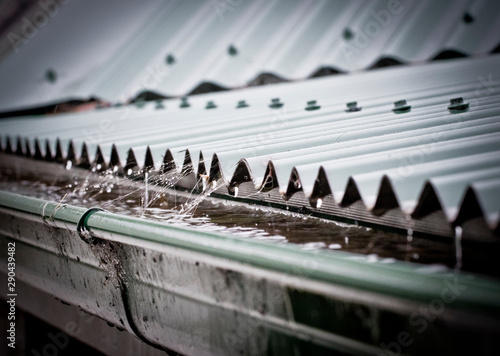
(156, 199)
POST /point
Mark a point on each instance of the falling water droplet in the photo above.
(319, 202)
(346, 239)
(129, 171)
(99, 167)
(146, 192)
(115, 169)
(458, 247)
(235, 192)
(69, 164)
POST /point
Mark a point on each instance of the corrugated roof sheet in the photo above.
(373, 164)
(121, 48)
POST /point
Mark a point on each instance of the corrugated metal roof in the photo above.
(430, 162)
(122, 48)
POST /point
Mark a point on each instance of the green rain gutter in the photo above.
(400, 279)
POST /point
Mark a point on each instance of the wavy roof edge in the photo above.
(201, 178)
(265, 78)
(175, 48)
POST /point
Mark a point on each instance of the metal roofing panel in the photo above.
(173, 47)
(418, 161)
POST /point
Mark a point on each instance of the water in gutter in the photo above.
(150, 201)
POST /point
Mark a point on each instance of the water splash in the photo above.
(156, 196)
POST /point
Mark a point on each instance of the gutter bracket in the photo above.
(82, 223)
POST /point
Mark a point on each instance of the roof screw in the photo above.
(457, 105)
(353, 107)
(311, 105)
(232, 50)
(170, 59)
(210, 105)
(275, 103)
(184, 102)
(51, 75)
(401, 107)
(159, 104)
(348, 34)
(242, 104)
(468, 19)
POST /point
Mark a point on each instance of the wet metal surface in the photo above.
(177, 47)
(427, 168)
(257, 222)
(203, 292)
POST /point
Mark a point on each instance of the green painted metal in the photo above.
(398, 279)
(199, 292)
